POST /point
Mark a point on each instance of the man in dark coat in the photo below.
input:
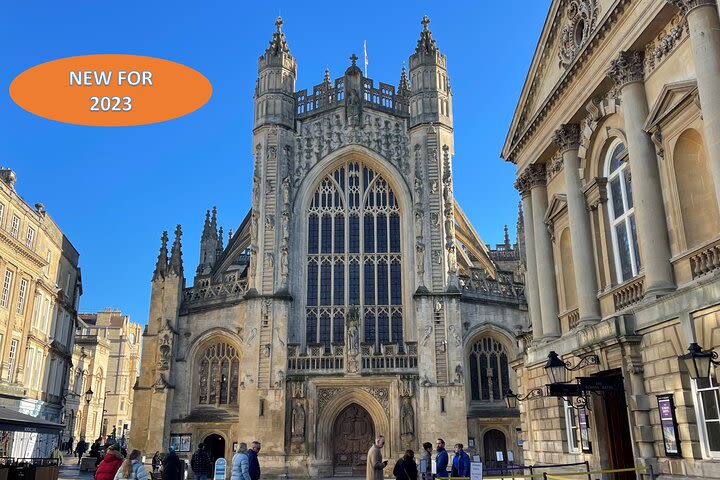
(172, 466)
(406, 468)
(252, 454)
(81, 448)
(441, 459)
(201, 464)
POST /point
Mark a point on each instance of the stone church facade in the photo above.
(355, 298)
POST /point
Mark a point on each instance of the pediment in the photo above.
(672, 98)
(465, 233)
(557, 207)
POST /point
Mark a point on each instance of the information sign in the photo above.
(220, 469)
(476, 471)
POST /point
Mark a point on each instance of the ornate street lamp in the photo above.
(88, 395)
(557, 369)
(698, 361)
(512, 399)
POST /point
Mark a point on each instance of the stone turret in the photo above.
(176, 264)
(274, 100)
(161, 266)
(208, 244)
(431, 100)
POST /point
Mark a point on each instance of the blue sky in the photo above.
(113, 190)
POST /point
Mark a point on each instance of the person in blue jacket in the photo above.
(441, 459)
(461, 462)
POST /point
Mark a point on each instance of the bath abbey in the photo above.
(355, 299)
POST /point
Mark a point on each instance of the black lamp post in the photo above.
(88, 395)
(698, 361)
(557, 369)
(88, 399)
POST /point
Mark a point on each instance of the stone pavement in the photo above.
(71, 471)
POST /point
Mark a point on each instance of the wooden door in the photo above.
(620, 447)
(353, 435)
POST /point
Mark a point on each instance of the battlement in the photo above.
(327, 96)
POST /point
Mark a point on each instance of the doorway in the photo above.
(617, 429)
(353, 435)
(494, 443)
(215, 445)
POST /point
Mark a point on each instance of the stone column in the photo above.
(567, 139)
(547, 285)
(704, 28)
(531, 278)
(628, 74)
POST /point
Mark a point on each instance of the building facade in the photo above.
(41, 287)
(355, 298)
(616, 139)
(106, 361)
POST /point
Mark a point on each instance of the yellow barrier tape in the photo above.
(596, 472)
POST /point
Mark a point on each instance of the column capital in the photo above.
(533, 176)
(567, 137)
(627, 68)
(686, 5)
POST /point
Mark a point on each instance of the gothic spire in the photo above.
(326, 78)
(220, 247)
(207, 230)
(162, 260)
(404, 86)
(278, 44)
(213, 221)
(507, 238)
(426, 44)
(176, 264)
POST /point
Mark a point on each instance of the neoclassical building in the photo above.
(355, 298)
(616, 138)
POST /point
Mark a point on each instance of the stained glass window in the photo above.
(354, 257)
(489, 371)
(219, 370)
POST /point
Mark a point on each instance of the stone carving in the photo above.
(437, 256)
(435, 219)
(353, 108)
(455, 335)
(459, 376)
(686, 5)
(426, 333)
(419, 215)
(269, 260)
(280, 379)
(567, 137)
(165, 350)
(270, 222)
(627, 68)
(353, 338)
(265, 350)
(556, 166)
(381, 394)
(161, 384)
(661, 47)
(407, 386)
(407, 417)
(284, 265)
(297, 388)
(330, 132)
(298, 420)
(581, 18)
(251, 337)
(420, 259)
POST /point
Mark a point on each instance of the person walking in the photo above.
(253, 463)
(110, 464)
(426, 457)
(69, 445)
(156, 461)
(441, 459)
(57, 453)
(201, 464)
(172, 467)
(375, 463)
(461, 462)
(240, 468)
(132, 468)
(405, 468)
(81, 448)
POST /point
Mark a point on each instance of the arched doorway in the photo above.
(215, 445)
(353, 434)
(494, 442)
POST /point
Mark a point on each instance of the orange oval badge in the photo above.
(110, 90)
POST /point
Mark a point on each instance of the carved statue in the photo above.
(284, 263)
(459, 373)
(420, 258)
(353, 108)
(269, 260)
(407, 417)
(298, 420)
(418, 223)
(427, 332)
(164, 361)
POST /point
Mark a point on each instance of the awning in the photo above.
(13, 421)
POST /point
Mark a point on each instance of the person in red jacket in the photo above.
(110, 464)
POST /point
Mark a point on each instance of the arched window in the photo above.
(218, 379)
(489, 372)
(354, 257)
(622, 213)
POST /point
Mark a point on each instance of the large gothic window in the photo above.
(354, 257)
(218, 382)
(489, 372)
(622, 213)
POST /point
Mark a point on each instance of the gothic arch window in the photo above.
(621, 213)
(353, 257)
(489, 371)
(218, 379)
